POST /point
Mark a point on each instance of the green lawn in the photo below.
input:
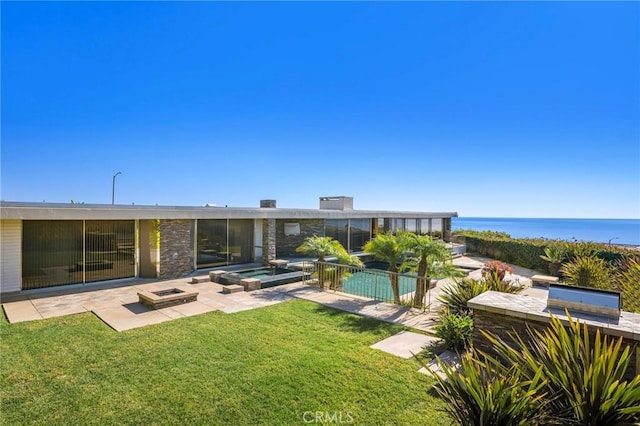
(264, 366)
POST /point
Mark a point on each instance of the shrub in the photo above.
(495, 283)
(587, 376)
(456, 330)
(587, 271)
(495, 267)
(483, 392)
(555, 254)
(559, 376)
(455, 297)
(628, 281)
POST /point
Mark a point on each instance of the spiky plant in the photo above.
(587, 271)
(485, 392)
(555, 253)
(585, 373)
(495, 283)
(454, 297)
(627, 278)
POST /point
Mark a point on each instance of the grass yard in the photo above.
(265, 366)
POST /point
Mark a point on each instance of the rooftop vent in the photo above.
(336, 203)
(605, 303)
(267, 204)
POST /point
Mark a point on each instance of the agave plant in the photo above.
(587, 271)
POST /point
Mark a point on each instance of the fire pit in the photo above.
(165, 298)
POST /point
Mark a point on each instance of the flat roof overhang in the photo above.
(62, 211)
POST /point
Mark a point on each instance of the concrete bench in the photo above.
(544, 280)
(233, 288)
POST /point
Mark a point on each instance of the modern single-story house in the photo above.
(48, 244)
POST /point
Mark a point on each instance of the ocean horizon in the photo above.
(608, 231)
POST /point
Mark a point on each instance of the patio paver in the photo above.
(21, 311)
(405, 344)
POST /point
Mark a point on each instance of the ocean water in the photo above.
(616, 231)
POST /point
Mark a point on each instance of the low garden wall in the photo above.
(502, 314)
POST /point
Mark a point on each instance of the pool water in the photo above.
(261, 272)
(376, 285)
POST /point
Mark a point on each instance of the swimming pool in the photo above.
(376, 284)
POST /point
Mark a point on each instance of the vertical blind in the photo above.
(61, 252)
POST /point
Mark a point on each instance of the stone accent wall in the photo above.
(268, 240)
(176, 248)
(286, 245)
(501, 325)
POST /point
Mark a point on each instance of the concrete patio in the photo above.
(117, 304)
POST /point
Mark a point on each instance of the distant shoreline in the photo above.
(616, 232)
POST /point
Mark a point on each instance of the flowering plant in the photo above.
(495, 267)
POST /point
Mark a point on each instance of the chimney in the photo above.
(267, 204)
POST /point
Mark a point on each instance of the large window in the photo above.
(425, 226)
(410, 225)
(436, 230)
(60, 252)
(224, 242)
(396, 225)
(360, 230)
(211, 243)
(110, 247)
(338, 230)
(240, 241)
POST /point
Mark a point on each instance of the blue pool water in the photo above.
(376, 285)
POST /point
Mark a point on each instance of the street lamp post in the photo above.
(611, 239)
(113, 188)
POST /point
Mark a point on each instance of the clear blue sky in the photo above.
(502, 109)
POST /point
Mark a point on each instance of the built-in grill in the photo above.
(607, 303)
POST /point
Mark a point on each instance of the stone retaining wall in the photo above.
(176, 248)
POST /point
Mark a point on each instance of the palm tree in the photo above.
(321, 247)
(343, 258)
(386, 247)
(429, 258)
(317, 247)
